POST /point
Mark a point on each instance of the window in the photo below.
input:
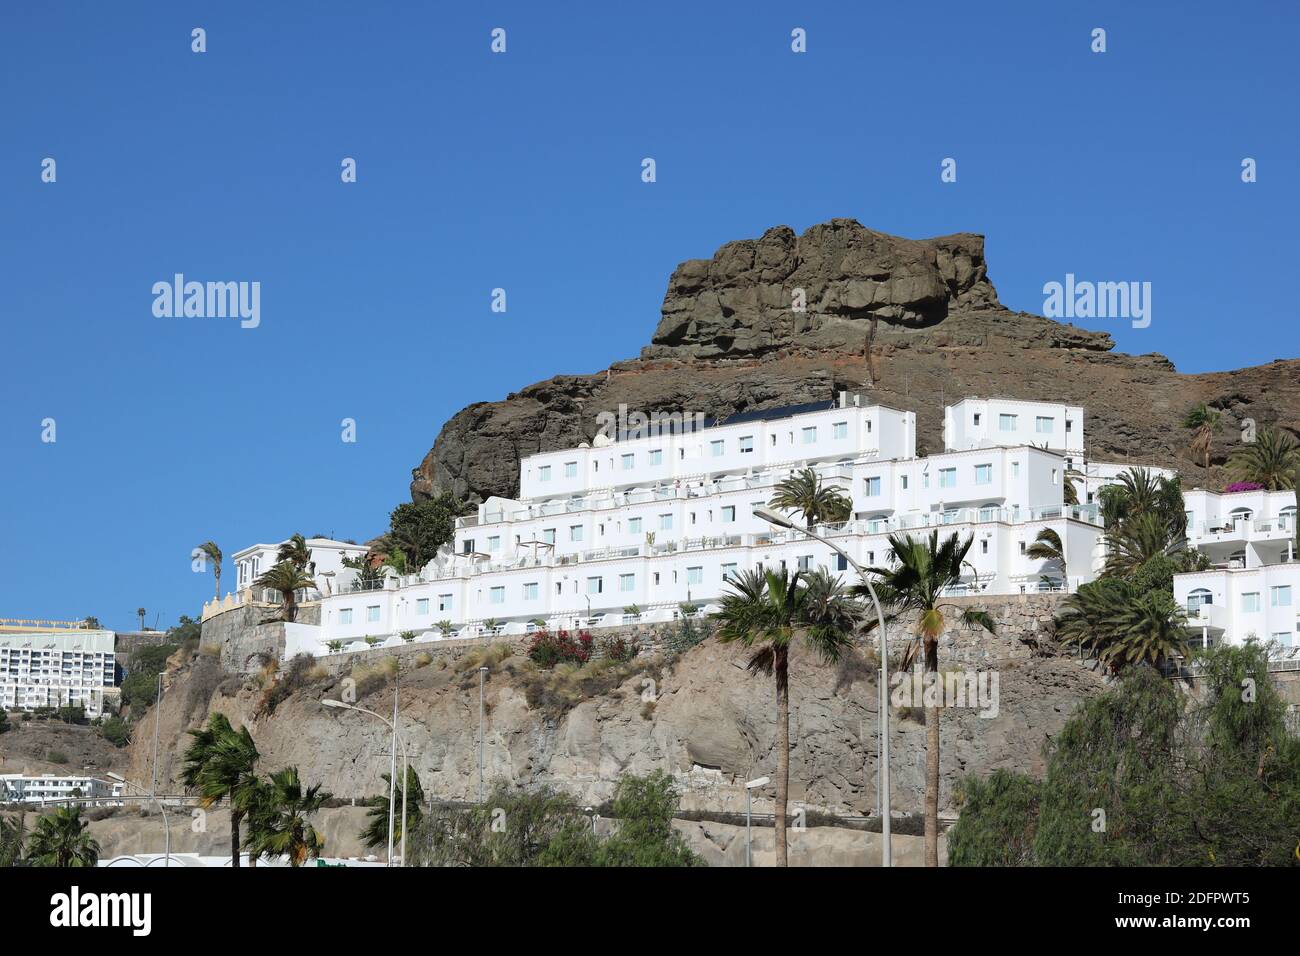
(841, 563)
(1197, 599)
(497, 595)
(1006, 423)
(903, 482)
(695, 575)
(548, 535)
(570, 469)
(976, 420)
(805, 562)
(469, 545)
(1043, 424)
(629, 462)
(1250, 601)
(840, 430)
(595, 585)
(1280, 596)
(947, 477)
(871, 487)
(372, 613)
(984, 546)
(422, 606)
(633, 525)
(530, 591)
(665, 522)
(444, 602)
(728, 514)
(983, 474)
(544, 473)
(575, 532)
(1282, 638)
(494, 543)
(1015, 469)
(655, 579)
(747, 444)
(345, 615)
(989, 513)
(1022, 547)
(810, 435)
(716, 448)
(657, 456)
(728, 572)
(627, 582)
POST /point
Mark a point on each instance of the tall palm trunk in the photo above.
(781, 667)
(236, 817)
(932, 763)
(218, 577)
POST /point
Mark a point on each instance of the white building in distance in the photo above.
(326, 562)
(20, 788)
(57, 669)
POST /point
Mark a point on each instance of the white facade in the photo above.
(57, 670)
(326, 562)
(982, 422)
(17, 788)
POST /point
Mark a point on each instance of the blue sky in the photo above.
(522, 171)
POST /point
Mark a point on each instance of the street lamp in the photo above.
(392, 783)
(167, 830)
(749, 806)
(781, 521)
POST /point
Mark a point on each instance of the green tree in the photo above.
(1138, 539)
(4, 720)
(1047, 546)
(220, 764)
(61, 838)
(376, 832)
(922, 573)
(766, 611)
(418, 529)
(116, 731)
(283, 824)
(818, 503)
(1271, 460)
(1204, 423)
(213, 553)
(296, 552)
(288, 579)
(13, 833)
(644, 808)
(998, 822)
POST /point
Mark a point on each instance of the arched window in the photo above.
(1198, 597)
(1239, 515)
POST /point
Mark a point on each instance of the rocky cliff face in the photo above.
(912, 324)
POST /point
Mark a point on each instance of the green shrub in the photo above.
(116, 731)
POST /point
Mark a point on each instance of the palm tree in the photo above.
(213, 553)
(296, 552)
(61, 838)
(283, 827)
(220, 764)
(1047, 546)
(12, 835)
(376, 832)
(1137, 540)
(766, 611)
(140, 612)
(1121, 626)
(818, 503)
(1204, 421)
(1271, 460)
(288, 579)
(915, 584)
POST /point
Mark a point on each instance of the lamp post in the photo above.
(167, 830)
(482, 674)
(771, 517)
(398, 740)
(749, 806)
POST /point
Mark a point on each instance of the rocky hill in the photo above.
(912, 324)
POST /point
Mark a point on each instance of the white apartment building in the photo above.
(18, 788)
(74, 668)
(326, 562)
(1253, 590)
(629, 528)
(983, 422)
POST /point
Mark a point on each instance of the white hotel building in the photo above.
(57, 669)
(655, 521)
(17, 788)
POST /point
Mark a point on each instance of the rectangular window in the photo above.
(840, 430)
(665, 522)
(494, 543)
(728, 514)
(633, 525)
(695, 575)
(657, 456)
(841, 564)
(629, 462)
(984, 546)
(715, 448)
(947, 477)
(1006, 423)
(1280, 596)
(903, 482)
(1044, 425)
(805, 562)
(444, 602)
(575, 532)
(544, 473)
(810, 436)
(627, 582)
(1250, 601)
(530, 591)
(1015, 469)
(871, 487)
(747, 444)
(422, 606)
(497, 595)
(728, 572)
(345, 615)
(983, 474)
(372, 613)
(1282, 638)
(977, 419)
(570, 469)
(595, 585)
